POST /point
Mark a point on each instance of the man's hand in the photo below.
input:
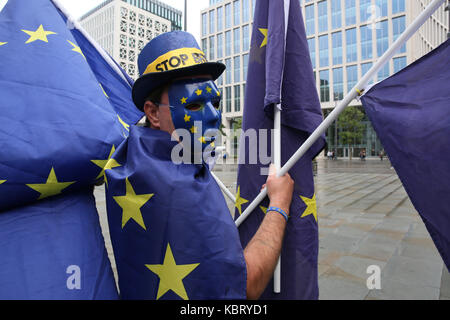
(279, 189)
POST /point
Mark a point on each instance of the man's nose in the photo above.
(212, 115)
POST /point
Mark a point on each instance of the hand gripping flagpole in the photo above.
(75, 24)
(356, 91)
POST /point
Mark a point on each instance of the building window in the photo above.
(365, 67)
(245, 66)
(237, 98)
(132, 16)
(246, 37)
(140, 45)
(228, 73)
(227, 43)
(364, 10)
(219, 19)
(350, 12)
(398, 6)
(132, 29)
(141, 20)
(399, 64)
(382, 37)
(228, 99)
(132, 43)
(211, 21)
(157, 26)
(398, 26)
(312, 51)
(237, 68)
(352, 77)
(228, 16)
(123, 53)
(384, 72)
(204, 24)
(237, 12)
(338, 84)
(336, 14)
(323, 51)
(324, 86)
(141, 32)
(123, 40)
(211, 48)
(382, 8)
(237, 40)
(352, 54)
(123, 26)
(220, 45)
(323, 16)
(149, 23)
(123, 13)
(337, 47)
(245, 11)
(366, 42)
(131, 56)
(309, 19)
(205, 46)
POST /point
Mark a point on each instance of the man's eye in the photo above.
(194, 107)
(216, 104)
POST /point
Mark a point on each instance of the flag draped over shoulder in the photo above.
(281, 72)
(410, 112)
(172, 234)
(63, 110)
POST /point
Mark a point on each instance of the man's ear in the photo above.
(152, 113)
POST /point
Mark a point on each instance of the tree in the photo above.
(350, 122)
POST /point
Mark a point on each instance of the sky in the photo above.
(79, 7)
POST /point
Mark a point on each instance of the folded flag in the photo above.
(410, 112)
(172, 234)
(280, 71)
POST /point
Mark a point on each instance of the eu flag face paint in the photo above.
(194, 105)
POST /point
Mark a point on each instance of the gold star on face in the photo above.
(76, 49)
(265, 34)
(202, 139)
(51, 187)
(311, 207)
(106, 164)
(183, 100)
(39, 34)
(171, 275)
(187, 118)
(131, 204)
(3, 43)
(208, 89)
(193, 129)
(199, 92)
(239, 201)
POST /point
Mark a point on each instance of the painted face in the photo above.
(194, 105)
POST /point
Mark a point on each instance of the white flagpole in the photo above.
(277, 140)
(224, 188)
(77, 25)
(357, 90)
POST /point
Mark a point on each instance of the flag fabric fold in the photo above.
(62, 110)
(411, 116)
(172, 234)
(280, 71)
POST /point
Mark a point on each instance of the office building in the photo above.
(124, 27)
(345, 38)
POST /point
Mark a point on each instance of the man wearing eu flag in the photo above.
(172, 234)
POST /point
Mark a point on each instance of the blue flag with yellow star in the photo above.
(172, 233)
(280, 71)
(410, 112)
(63, 109)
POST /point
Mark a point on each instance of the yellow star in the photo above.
(171, 275)
(218, 93)
(104, 92)
(39, 34)
(212, 144)
(199, 92)
(193, 129)
(202, 139)
(183, 100)
(51, 187)
(239, 201)
(106, 165)
(3, 43)
(187, 118)
(76, 49)
(311, 206)
(2, 181)
(264, 209)
(131, 204)
(123, 123)
(265, 34)
(208, 89)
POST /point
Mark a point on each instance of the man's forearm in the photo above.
(262, 252)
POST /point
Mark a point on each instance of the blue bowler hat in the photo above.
(169, 56)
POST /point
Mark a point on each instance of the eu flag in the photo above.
(62, 111)
(172, 234)
(410, 112)
(280, 71)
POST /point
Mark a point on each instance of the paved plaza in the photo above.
(365, 219)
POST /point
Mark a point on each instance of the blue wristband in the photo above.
(279, 211)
